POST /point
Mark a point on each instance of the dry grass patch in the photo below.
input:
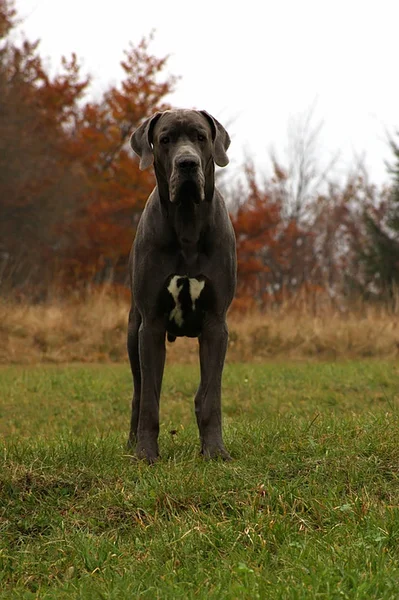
(94, 330)
(64, 331)
(367, 332)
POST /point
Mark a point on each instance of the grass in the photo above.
(308, 509)
(64, 331)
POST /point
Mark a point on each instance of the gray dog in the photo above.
(183, 271)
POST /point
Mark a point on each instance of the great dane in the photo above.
(183, 271)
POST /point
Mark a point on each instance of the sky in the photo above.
(259, 67)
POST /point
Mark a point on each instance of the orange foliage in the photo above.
(71, 191)
(274, 254)
(116, 188)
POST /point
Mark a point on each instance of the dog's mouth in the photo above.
(183, 189)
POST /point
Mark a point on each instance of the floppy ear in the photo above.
(141, 141)
(221, 140)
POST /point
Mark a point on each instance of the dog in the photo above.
(182, 269)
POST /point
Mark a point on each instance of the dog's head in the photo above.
(183, 145)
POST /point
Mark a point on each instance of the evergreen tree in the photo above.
(380, 254)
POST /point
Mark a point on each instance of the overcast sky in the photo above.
(254, 65)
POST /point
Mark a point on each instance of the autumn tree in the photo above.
(34, 111)
(302, 230)
(313, 255)
(275, 254)
(336, 221)
(70, 188)
(117, 189)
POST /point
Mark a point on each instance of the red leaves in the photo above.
(7, 17)
(273, 252)
(70, 187)
(117, 189)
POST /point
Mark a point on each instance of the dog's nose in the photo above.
(188, 163)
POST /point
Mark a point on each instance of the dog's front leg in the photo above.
(152, 361)
(208, 402)
(133, 350)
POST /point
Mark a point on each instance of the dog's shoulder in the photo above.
(151, 232)
(222, 217)
(150, 212)
(152, 203)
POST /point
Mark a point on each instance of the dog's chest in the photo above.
(184, 303)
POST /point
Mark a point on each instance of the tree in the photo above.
(275, 254)
(379, 254)
(7, 19)
(306, 175)
(70, 187)
(336, 222)
(34, 110)
(117, 189)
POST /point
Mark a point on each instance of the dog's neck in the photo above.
(188, 221)
(189, 217)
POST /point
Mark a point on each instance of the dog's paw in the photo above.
(149, 453)
(212, 451)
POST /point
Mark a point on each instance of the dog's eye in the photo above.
(201, 138)
(165, 139)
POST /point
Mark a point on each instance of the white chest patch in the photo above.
(176, 314)
(175, 287)
(196, 288)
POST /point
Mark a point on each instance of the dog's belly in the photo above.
(186, 300)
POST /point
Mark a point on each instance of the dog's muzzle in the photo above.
(187, 181)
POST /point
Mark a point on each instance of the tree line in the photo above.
(71, 192)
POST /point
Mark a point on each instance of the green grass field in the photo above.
(309, 508)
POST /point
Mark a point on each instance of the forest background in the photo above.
(309, 243)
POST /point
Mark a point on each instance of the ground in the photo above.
(309, 507)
